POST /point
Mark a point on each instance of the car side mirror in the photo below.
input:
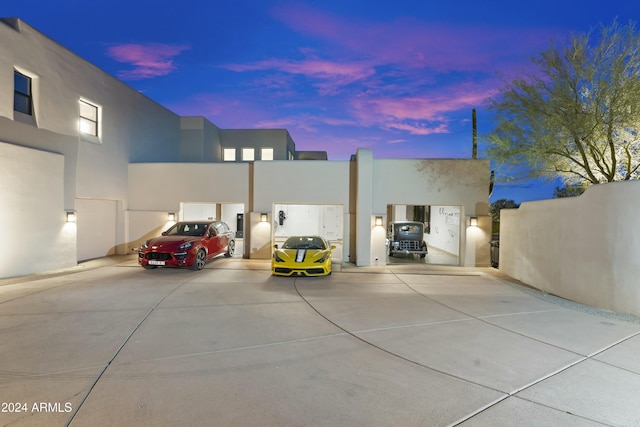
(164, 233)
(275, 246)
(333, 247)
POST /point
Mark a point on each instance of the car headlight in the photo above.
(145, 245)
(277, 258)
(185, 246)
(323, 258)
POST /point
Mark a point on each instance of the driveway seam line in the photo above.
(118, 350)
(514, 393)
(413, 362)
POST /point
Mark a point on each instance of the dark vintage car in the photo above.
(188, 244)
(406, 237)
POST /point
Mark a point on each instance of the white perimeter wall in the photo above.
(585, 248)
(32, 213)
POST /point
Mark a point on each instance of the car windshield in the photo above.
(410, 228)
(304, 243)
(186, 229)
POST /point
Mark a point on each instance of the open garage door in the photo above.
(318, 220)
(442, 228)
(230, 213)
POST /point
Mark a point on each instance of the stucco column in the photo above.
(364, 206)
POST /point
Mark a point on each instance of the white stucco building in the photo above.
(75, 141)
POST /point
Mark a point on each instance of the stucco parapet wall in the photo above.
(581, 248)
(460, 182)
(162, 186)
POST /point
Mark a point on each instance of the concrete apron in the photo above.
(113, 344)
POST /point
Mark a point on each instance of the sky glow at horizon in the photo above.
(398, 77)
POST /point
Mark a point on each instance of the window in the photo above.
(229, 155)
(248, 154)
(88, 118)
(266, 154)
(22, 96)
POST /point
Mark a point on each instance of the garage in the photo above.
(317, 220)
(231, 213)
(441, 233)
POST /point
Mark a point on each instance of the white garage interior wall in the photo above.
(320, 220)
(198, 211)
(445, 229)
(230, 213)
(32, 211)
(97, 228)
(209, 212)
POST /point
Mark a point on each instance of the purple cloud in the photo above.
(327, 75)
(420, 115)
(148, 60)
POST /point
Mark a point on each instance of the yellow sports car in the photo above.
(302, 256)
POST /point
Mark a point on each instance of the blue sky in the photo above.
(399, 77)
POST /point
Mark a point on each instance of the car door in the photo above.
(224, 233)
(214, 245)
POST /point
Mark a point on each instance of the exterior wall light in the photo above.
(71, 216)
(473, 221)
(378, 221)
(171, 216)
(263, 217)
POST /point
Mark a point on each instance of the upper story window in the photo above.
(266, 154)
(229, 155)
(22, 93)
(248, 154)
(88, 118)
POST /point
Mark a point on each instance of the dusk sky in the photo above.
(400, 77)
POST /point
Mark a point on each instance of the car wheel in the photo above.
(231, 247)
(424, 248)
(200, 261)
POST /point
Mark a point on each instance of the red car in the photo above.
(188, 244)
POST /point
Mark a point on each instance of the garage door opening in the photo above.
(314, 220)
(441, 234)
(231, 213)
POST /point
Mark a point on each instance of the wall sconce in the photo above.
(378, 221)
(71, 216)
(473, 221)
(171, 216)
(263, 217)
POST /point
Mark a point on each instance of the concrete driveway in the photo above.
(111, 344)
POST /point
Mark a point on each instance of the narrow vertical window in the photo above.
(22, 95)
(88, 118)
(248, 154)
(229, 154)
(266, 154)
